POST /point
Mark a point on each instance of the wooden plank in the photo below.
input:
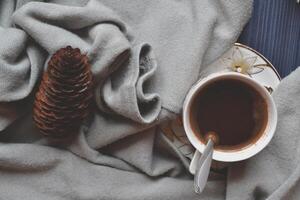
(274, 30)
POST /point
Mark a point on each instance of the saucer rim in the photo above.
(262, 57)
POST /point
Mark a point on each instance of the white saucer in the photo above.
(262, 71)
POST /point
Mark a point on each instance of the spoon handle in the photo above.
(203, 167)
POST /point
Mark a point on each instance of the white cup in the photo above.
(239, 154)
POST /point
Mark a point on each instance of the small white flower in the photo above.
(242, 64)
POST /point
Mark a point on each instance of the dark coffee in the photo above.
(232, 109)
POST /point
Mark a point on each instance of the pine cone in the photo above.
(64, 96)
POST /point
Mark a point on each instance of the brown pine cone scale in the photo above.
(64, 96)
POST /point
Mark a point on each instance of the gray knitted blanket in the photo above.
(145, 55)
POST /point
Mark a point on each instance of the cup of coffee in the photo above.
(234, 106)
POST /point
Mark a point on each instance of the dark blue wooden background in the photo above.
(274, 30)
